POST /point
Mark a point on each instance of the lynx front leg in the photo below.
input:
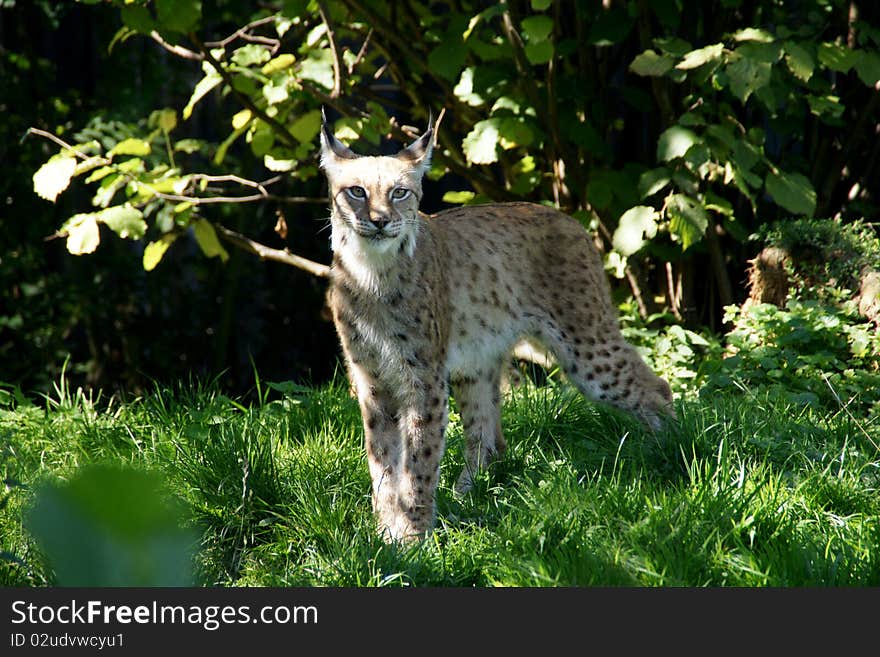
(479, 403)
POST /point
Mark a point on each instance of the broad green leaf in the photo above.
(447, 60)
(687, 219)
(541, 5)
(275, 93)
(465, 90)
(307, 126)
(836, 57)
(636, 226)
(251, 55)
(792, 191)
(458, 197)
(653, 180)
(83, 235)
(717, 204)
(241, 119)
(747, 75)
(131, 146)
(54, 176)
(539, 52)
(261, 138)
(111, 526)
(480, 145)
(753, 34)
(138, 18)
(675, 142)
(207, 240)
(537, 28)
(800, 61)
(164, 119)
(124, 220)
(868, 67)
(201, 89)
(279, 63)
(674, 46)
(154, 251)
(697, 58)
(179, 15)
(98, 174)
(828, 106)
(649, 63)
(318, 67)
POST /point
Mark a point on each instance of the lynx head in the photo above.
(374, 200)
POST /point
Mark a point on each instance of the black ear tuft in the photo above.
(330, 145)
(419, 152)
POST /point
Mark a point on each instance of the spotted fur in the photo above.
(425, 303)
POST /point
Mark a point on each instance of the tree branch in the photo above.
(268, 253)
(178, 51)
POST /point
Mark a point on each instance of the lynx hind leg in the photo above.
(610, 370)
(479, 403)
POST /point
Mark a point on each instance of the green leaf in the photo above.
(825, 106)
(54, 176)
(792, 191)
(201, 89)
(458, 197)
(164, 119)
(279, 63)
(207, 240)
(687, 219)
(747, 75)
(124, 220)
(138, 18)
(836, 57)
(131, 146)
(636, 226)
(537, 28)
(800, 61)
(154, 251)
(653, 181)
(251, 55)
(480, 145)
(868, 67)
(753, 34)
(179, 15)
(318, 67)
(649, 63)
(307, 126)
(83, 235)
(275, 93)
(447, 59)
(540, 52)
(541, 5)
(111, 526)
(675, 142)
(697, 58)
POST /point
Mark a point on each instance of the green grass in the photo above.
(744, 490)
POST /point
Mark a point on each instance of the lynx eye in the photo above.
(399, 193)
(356, 191)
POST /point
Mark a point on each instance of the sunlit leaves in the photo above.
(687, 219)
(206, 237)
(701, 56)
(54, 176)
(131, 146)
(675, 142)
(83, 235)
(650, 63)
(154, 251)
(636, 226)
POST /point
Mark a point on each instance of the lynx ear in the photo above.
(331, 147)
(419, 152)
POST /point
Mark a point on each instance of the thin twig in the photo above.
(244, 33)
(178, 51)
(361, 53)
(268, 253)
(336, 60)
(57, 140)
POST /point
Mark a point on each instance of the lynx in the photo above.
(424, 303)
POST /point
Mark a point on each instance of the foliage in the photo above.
(826, 257)
(528, 115)
(744, 491)
(808, 352)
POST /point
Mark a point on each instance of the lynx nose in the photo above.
(380, 222)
